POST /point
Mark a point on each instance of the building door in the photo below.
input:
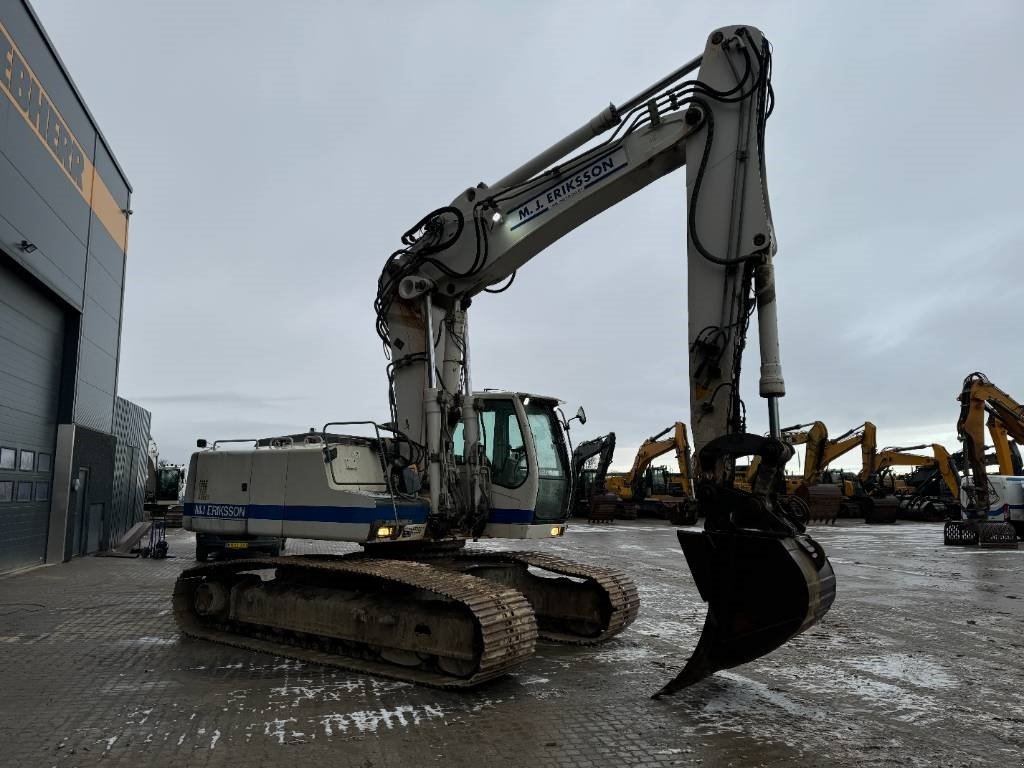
(31, 348)
(80, 520)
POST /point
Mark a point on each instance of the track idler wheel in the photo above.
(210, 599)
(761, 587)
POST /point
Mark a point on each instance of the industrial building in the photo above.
(72, 454)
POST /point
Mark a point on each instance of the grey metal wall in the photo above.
(62, 192)
(31, 352)
(131, 428)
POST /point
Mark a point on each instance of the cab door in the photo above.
(507, 453)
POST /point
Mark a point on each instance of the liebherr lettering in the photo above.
(23, 89)
(594, 172)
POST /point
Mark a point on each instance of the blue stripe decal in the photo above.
(511, 516)
(415, 513)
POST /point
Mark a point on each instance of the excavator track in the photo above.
(581, 605)
(406, 620)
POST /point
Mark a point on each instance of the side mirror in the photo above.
(581, 415)
(200, 443)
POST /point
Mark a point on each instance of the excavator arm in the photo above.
(862, 435)
(764, 579)
(900, 457)
(604, 449)
(1007, 453)
(656, 446)
(713, 124)
(982, 403)
(820, 451)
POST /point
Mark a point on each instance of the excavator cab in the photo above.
(524, 447)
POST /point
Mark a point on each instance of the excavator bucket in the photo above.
(824, 501)
(761, 587)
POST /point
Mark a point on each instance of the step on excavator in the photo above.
(591, 498)
(455, 464)
(645, 489)
(992, 506)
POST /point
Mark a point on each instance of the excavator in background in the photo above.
(455, 464)
(649, 490)
(878, 481)
(590, 497)
(164, 484)
(992, 506)
(829, 494)
(933, 490)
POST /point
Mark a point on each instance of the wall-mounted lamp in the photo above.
(26, 247)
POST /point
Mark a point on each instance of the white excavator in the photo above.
(454, 464)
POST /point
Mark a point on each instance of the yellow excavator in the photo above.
(992, 506)
(823, 491)
(878, 482)
(644, 490)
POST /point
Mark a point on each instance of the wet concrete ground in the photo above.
(919, 663)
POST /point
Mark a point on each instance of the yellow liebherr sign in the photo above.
(20, 84)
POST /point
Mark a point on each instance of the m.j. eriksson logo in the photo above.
(218, 510)
(567, 187)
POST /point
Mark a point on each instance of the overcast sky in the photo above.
(278, 151)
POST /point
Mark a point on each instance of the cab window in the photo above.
(503, 443)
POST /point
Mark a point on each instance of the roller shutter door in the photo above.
(31, 347)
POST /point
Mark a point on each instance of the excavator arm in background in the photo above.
(825, 499)
(985, 519)
(901, 457)
(630, 485)
(1007, 451)
(680, 508)
(590, 498)
(862, 435)
(820, 451)
(601, 447)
